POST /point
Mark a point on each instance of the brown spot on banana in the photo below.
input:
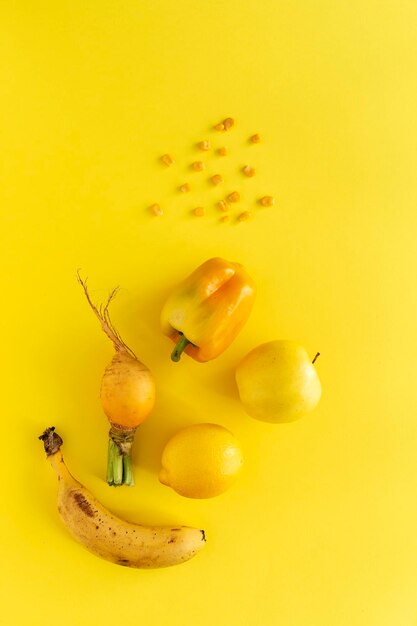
(83, 503)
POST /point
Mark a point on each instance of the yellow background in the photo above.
(321, 528)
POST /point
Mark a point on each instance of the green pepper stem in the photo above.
(179, 348)
(119, 457)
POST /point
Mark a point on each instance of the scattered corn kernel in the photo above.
(255, 138)
(167, 159)
(234, 196)
(267, 201)
(248, 171)
(185, 188)
(204, 145)
(243, 217)
(228, 123)
(156, 210)
(198, 166)
(222, 205)
(199, 211)
(223, 151)
(219, 126)
(225, 218)
(217, 179)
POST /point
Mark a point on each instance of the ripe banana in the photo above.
(108, 536)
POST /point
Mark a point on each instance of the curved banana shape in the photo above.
(110, 537)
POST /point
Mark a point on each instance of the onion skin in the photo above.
(127, 391)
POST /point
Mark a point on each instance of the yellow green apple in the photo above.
(278, 382)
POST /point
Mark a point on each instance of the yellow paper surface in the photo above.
(320, 530)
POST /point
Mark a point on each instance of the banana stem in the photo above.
(119, 457)
(51, 440)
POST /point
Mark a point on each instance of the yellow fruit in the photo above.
(111, 537)
(278, 382)
(201, 461)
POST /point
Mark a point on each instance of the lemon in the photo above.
(201, 461)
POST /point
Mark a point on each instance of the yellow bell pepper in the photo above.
(208, 309)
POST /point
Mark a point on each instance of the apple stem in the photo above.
(317, 355)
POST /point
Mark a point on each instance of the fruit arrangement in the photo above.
(276, 382)
(108, 536)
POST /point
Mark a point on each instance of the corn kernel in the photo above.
(267, 201)
(198, 166)
(222, 205)
(255, 138)
(222, 151)
(248, 171)
(217, 179)
(204, 145)
(167, 159)
(219, 126)
(228, 123)
(199, 211)
(225, 218)
(234, 196)
(185, 188)
(243, 217)
(156, 210)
